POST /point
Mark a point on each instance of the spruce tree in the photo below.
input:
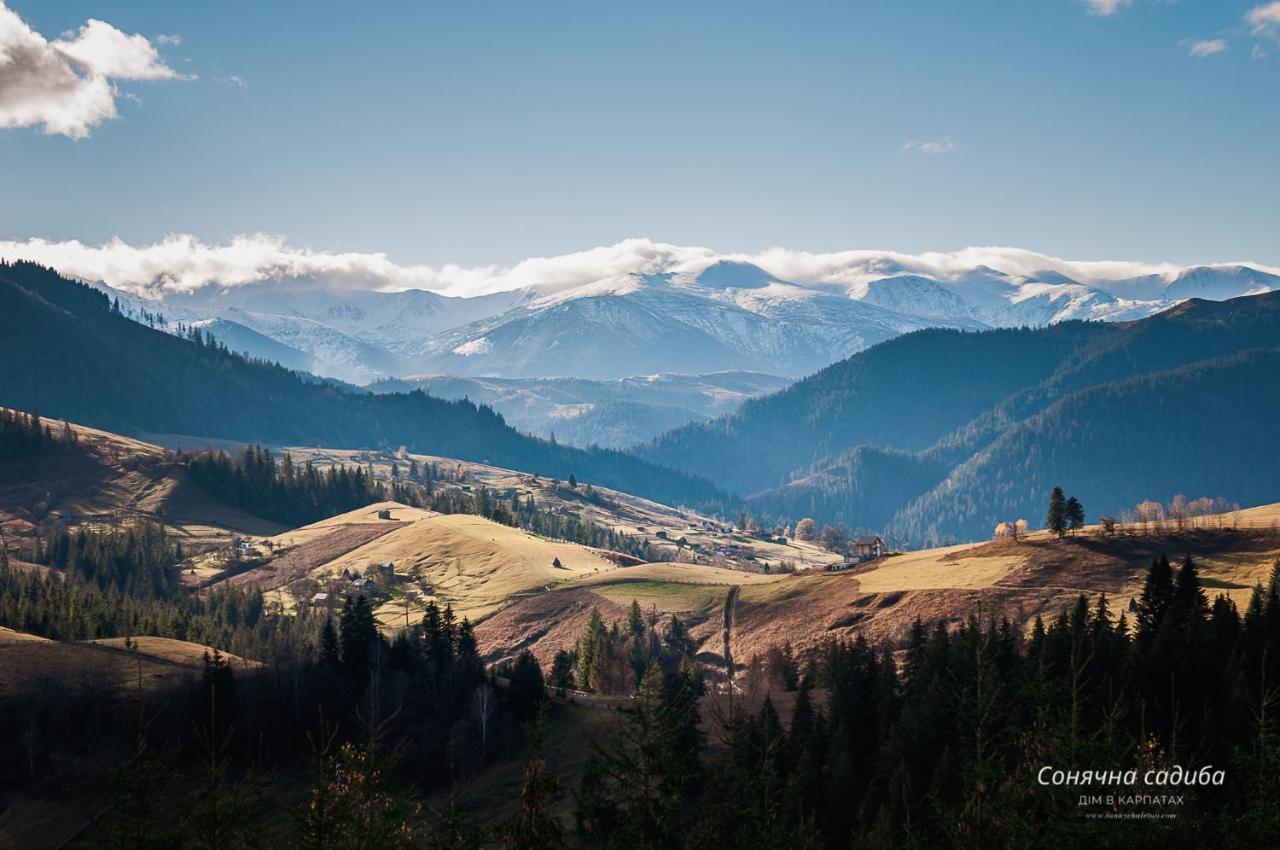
(534, 827)
(1056, 520)
(1075, 514)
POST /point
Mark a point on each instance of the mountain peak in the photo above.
(732, 274)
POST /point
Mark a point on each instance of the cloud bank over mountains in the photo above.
(182, 263)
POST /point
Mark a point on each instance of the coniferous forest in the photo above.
(976, 736)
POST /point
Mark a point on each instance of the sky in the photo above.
(482, 133)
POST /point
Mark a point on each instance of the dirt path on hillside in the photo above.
(729, 599)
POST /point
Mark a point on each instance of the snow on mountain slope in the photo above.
(915, 296)
(245, 340)
(338, 354)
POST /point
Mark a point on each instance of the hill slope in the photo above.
(861, 441)
(67, 353)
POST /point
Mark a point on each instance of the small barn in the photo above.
(385, 513)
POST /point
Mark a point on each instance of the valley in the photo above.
(524, 591)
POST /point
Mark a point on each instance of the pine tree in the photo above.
(1157, 593)
(591, 649)
(635, 621)
(534, 827)
(562, 671)
(1075, 514)
(330, 651)
(1056, 520)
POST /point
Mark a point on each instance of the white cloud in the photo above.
(1264, 19)
(1258, 52)
(1106, 7)
(173, 40)
(1201, 49)
(182, 263)
(66, 86)
(234, 82)
(932, 148)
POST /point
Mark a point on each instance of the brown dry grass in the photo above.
(35, 664)
(301, 560)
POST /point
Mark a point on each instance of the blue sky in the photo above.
(486, 132)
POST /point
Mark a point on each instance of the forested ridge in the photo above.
(938, 435)
(1208, 429)
(68, 353)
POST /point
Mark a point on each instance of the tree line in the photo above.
(292, 494)
(24, 435)
(280, 490)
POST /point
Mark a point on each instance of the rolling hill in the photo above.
(1038, 575)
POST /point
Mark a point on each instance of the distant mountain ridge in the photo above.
(610, 414)
(691, 316)
(67, 353)
(937, 435)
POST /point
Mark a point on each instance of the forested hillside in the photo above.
(905, 394)
(65, 352)
(938, 435)
(1203, 430)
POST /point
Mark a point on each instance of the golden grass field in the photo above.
(466, 561)
(632, 515)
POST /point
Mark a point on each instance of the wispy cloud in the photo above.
(1106, 7)
(182, 263)
(932, 147)
(67, 85)
(1202, 49)
(234, 82)
(173, 40)
(1264, 19)
(1258, 52)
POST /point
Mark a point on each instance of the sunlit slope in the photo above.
(110, 477)
(1038, 575)
(472, 563)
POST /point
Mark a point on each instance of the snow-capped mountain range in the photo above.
(678, 313)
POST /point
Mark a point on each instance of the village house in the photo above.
(868, 546)
(386, 570)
